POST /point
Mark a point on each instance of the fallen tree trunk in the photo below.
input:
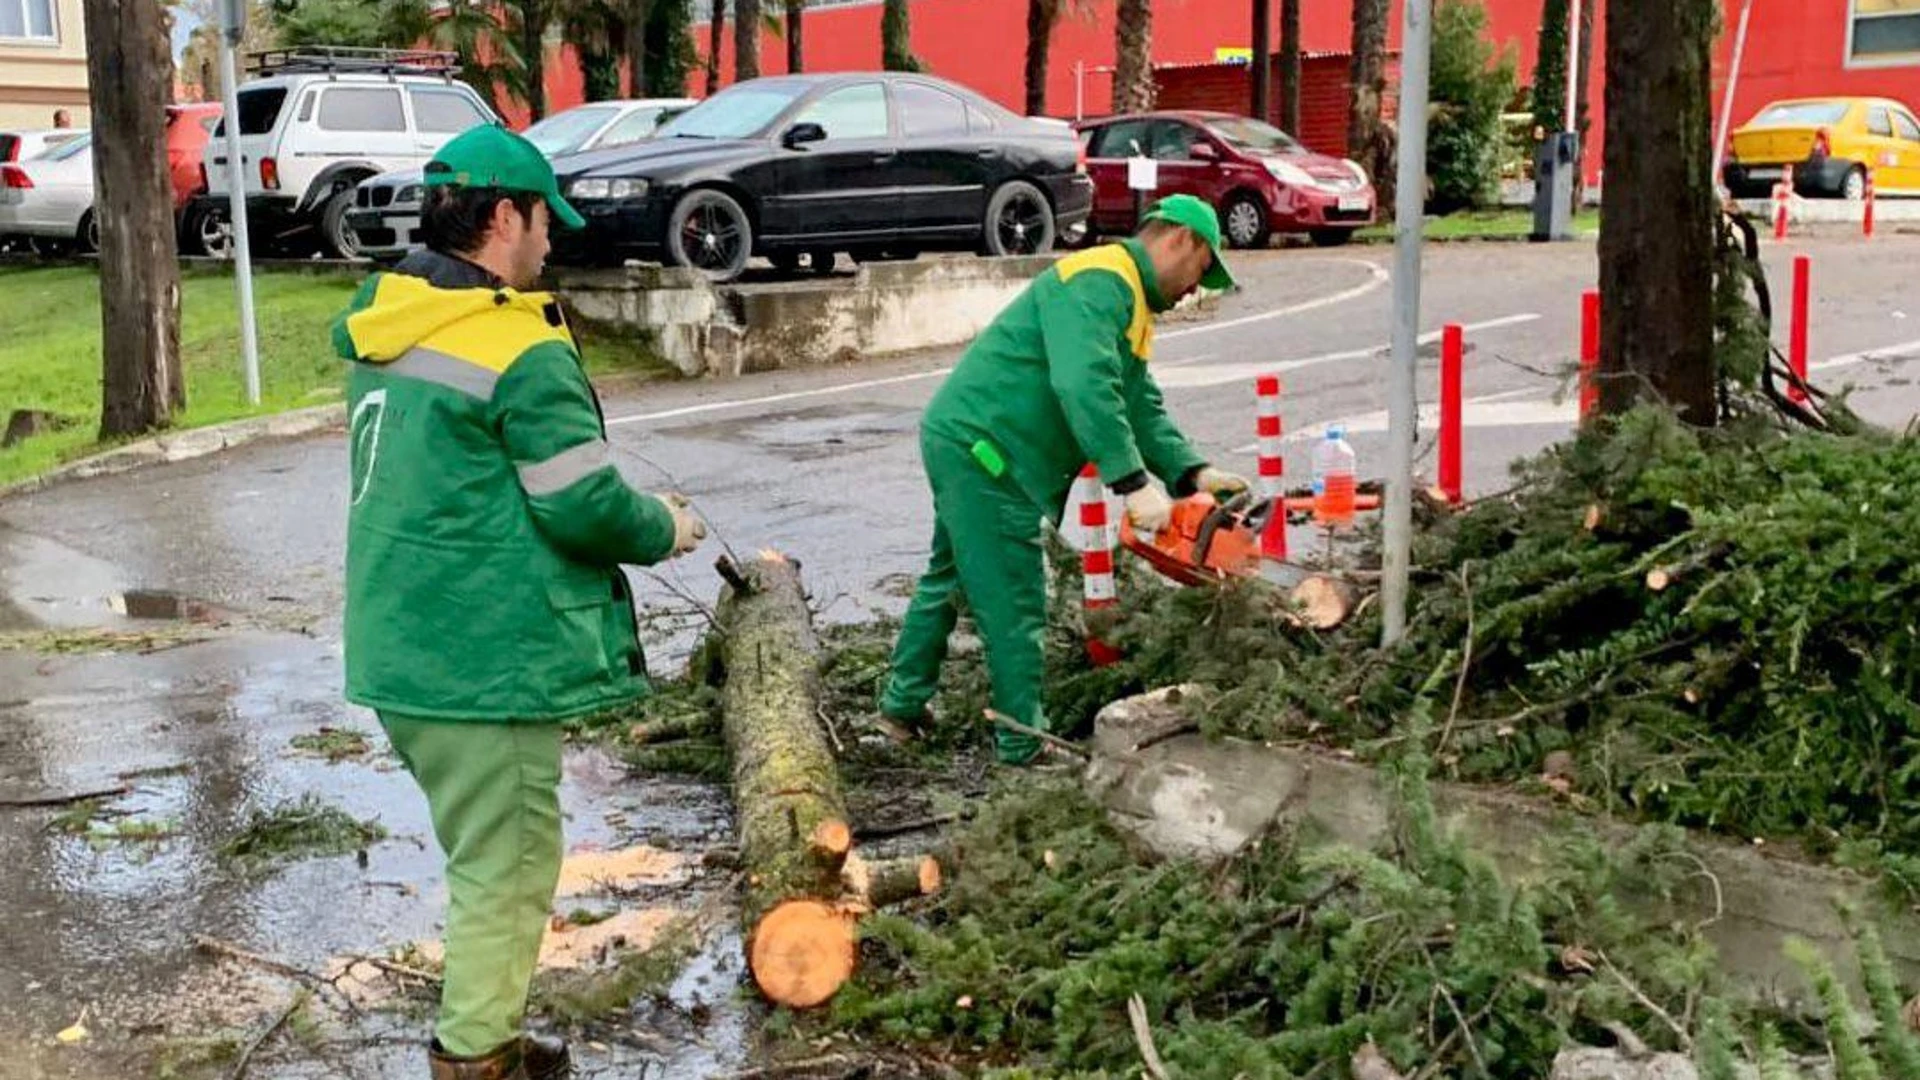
(794, 837)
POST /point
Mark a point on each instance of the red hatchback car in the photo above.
(1260, 179)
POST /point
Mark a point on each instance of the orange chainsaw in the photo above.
(1207, 541)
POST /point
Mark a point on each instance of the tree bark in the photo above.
(1656, 241)
(534, 16)
(746, 40)
(796, 29)
(896, 37)
(1041, 17)
(1550, 70)
(1368, 141)
(716, 37)
(794, 838)
(1582, 91)
(1290, 67)
(638, 13)
(1261, 107)
(129, 67)
(1133, 56)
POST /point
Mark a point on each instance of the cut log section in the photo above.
(892, 881)
(794, 837)
(1323, 602)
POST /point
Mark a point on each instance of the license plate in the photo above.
(404, 226)
(1764, 174)
(1354, 202)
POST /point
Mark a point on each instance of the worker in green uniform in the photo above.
(485, 601)
(1058, 380)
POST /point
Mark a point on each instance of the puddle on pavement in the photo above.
(811, 434)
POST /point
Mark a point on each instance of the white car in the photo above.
(386, 213)
(319, 121)
(49, 200)
(27, 145)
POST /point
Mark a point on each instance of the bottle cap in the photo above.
(1336, 432)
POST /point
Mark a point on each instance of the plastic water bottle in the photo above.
(1335, 473)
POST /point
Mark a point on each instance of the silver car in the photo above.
(386, 211)
(48, 200)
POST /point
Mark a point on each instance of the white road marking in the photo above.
(1376, 277)
(1491, 410)
(1906, 350)
(1189, 378)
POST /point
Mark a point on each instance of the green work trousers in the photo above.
(493, 791)
(987, 549)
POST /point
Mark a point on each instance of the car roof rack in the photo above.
(343, 60)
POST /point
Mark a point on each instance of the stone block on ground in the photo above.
(24, 424)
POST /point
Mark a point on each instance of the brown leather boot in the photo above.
(505, 1063)
(546, 1057)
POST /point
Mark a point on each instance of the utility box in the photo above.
(1555, 169)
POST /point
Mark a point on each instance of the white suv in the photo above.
(316, 122)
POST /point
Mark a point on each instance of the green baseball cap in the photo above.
(1196, 214)
(490, 156)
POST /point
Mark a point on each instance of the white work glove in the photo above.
(688, 529)
(1219, 482)
(1149, 508)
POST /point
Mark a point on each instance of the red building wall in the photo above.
(1795, 48)
(1324, 95)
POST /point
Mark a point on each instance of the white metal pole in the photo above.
(237, 214)
(1733, 79)
(1415, 56)
(1573, 67)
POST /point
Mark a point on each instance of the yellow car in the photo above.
(1831, 143)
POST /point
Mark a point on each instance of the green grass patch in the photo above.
(334, 744)
(306, 828)
(1486, 225)
(50, 357)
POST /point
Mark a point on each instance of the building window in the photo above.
(31, 20)
(1884, 32)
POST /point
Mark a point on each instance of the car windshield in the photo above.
(737, 113)
(563, 133)
(70, 149)
(1242, 133)
(1802, 114)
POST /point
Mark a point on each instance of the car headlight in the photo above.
(411, 194)
(627, 188)
(1359, 173)
(1288, 173)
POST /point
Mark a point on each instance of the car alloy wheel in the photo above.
(210, 235)
(90, 234)
(1022, 224)
(1243, 223)
(709, 232)
(1855, 188)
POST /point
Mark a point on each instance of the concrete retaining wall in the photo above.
(1188, 796)
(885, 308)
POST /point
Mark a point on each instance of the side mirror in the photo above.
(801, 134)
(1202, 151)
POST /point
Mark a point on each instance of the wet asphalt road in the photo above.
(820, 463)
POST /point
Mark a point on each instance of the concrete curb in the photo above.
(177, 446)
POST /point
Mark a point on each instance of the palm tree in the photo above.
(796, 20)
(534, 18)
(1368, 140)
(1262, 60)
(598, 31)
(490, 61)
(716, 36)
(896, 38)
(1290, 66)
(746, 40)
(1133, 56)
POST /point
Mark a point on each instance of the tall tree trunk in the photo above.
(637, 14)
(896, 37)
(1133, 56)
(1656, 241)
(129, 64)
(746, 40)
(534, 15)
(1261, 107)
(1290, 67)
(1368, 140)
(1585, 76)
(1550, 69)
(796, 28)
(716, 37)
(1041, 16)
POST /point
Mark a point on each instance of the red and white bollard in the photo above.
(1096, 559)
(1783, 203)
(1866, 213)
(1797, 341)
(1273, 468)
(1589, 353)
(1453, 350)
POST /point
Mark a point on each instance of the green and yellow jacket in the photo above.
(486, 524)
(1060, 379)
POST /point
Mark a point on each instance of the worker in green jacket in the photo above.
(485, 601)
(1058, 380)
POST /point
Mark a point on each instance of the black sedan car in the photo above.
(808, 166)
